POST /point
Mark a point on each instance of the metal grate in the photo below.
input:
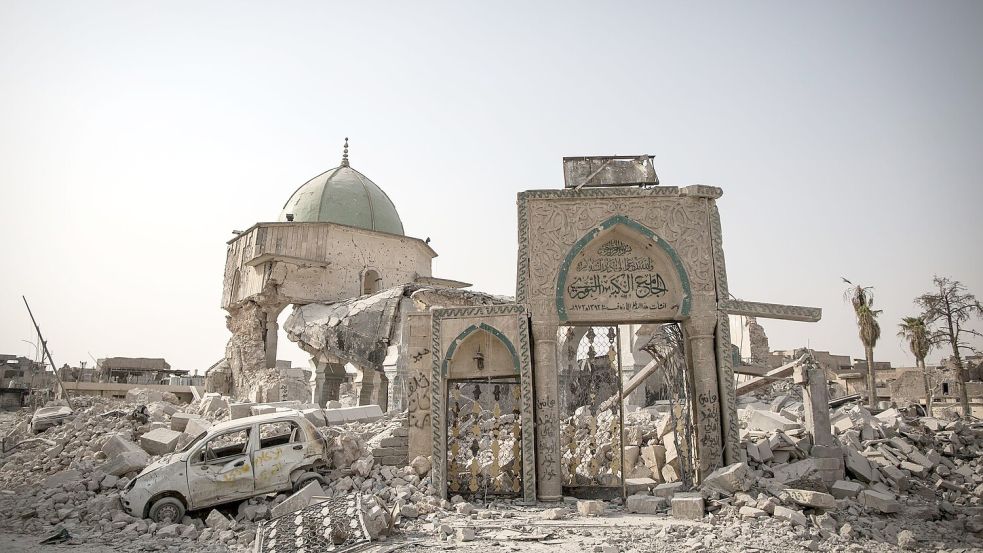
(484, 437)
(592, 425)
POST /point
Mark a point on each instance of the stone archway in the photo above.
(461, 337)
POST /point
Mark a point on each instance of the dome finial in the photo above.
(344, 155)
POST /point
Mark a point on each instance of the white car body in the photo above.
(202, 474)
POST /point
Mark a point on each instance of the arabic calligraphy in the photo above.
(614, 248)
(622, 285)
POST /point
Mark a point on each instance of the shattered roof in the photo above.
(359, 330)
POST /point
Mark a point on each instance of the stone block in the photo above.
(879, 501)
(791, 515)
(63, 477)
(923, 460)
(315, 416)
(590, 507)
(768, 421)
(798, 470)
(858, 466)
(841, 489)
(730, 479)
(465, 534)
(299, 500)
(645, 504)
(687, 506)
(117, 445)
(393, 442)
(239, 410)
(667, 490)
(634, 485)
(217, 521)
(160, 441)
(752, 512)
(129, 461)
(179, 421)
(197, 426)
(810, 498)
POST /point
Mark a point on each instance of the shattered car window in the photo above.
(223, 447)
(279, 433)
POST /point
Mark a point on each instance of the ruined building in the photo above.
(539, 396)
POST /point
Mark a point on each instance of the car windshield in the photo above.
(194, 441)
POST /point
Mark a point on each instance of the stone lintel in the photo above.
(771, 310)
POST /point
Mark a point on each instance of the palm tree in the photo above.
(862, 298)
(916, 333)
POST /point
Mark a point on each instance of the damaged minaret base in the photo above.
(826, 452)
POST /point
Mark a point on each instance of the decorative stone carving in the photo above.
(442, 348)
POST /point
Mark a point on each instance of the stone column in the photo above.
(826, 453)
(700, 338)
(547, 417)
(272, 329)
(318, 369)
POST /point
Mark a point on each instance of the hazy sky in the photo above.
(135, 136)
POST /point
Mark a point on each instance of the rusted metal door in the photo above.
(484, 431)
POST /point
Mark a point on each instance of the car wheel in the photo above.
(167, 508)
(306, 479)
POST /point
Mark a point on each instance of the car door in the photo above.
(282, 447)
(221, 469)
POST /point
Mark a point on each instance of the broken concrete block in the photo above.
(752, 512)
(59, 478)
(217, 521)
(421, 465)
(465, 534)
(923, 460)
(118, 444)
(858, 466)
(299, 500)
(791, 515)
(635, 485)
(315, 416)
(668, 489)
(124, 463)
(590, 507)
(159, 441)
(879, 501)
(795, 471)
(654, 456)
(687, 506)
(841, 489)
(196, 426)
(729, 479)
(768, 421)
(810, 498)
(179, 421)
(645, 504)
(239, 410)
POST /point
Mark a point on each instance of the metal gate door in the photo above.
(591, 413)
(484, 431)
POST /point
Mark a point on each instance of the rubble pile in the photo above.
(653, 441)
(71, 476)
(915, 482)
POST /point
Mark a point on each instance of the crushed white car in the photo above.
(46, 417)
(232, 461)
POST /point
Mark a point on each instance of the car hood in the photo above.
(164, 461)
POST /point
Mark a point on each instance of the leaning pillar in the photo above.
(826, 453)
(272, 328)
(550, 487)
(699, 330)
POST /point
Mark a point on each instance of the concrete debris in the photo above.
(909, 484)
(687, 506)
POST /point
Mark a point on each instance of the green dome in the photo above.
(344, 196)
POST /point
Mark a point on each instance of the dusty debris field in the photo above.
(911, 484)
